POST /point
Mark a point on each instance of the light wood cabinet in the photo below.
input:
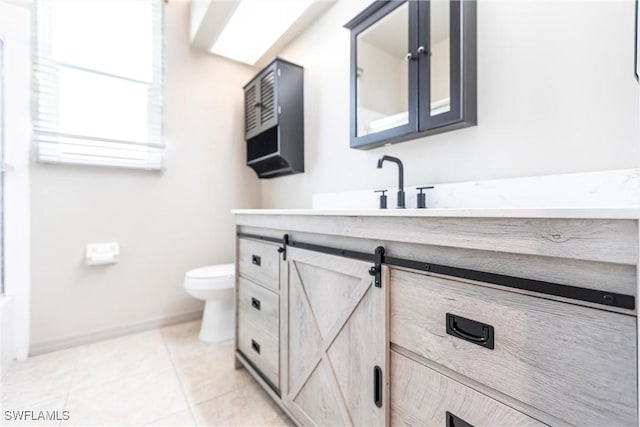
(260, 262)
(576, 363)
(336, 341)
(257, 307)
(454, 335)
(259, 328)
(421, 396)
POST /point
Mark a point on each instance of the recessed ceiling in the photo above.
(251, 31)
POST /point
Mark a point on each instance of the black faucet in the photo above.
(400, 177)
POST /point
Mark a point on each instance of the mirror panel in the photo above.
(382, 86)
(440, 73)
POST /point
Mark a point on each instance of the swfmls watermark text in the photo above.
(37, 415)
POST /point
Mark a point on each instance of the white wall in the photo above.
(166, 223)
(556, 94)
(16, 128)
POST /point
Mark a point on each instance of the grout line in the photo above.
(79, 348)
(66, 397)
(202, 402)
(104, 381)
(78, 354)
(177, 374)
(38, 400)
(206, 401)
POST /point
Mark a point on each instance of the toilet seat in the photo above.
(211, 277)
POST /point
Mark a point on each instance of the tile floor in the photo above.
(164, 377)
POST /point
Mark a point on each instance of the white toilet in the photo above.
(213, 284)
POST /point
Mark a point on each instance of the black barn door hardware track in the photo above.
(259, 237)
(345, 253)
(539, 286)
(379, 258)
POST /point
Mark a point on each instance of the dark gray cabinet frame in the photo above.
(463, 81)
(275, 147)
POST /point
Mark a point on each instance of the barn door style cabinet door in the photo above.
(337, 342)
(274, 120)
(413, 70)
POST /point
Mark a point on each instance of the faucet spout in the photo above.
(397, 161)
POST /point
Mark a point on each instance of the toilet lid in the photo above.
(225, 271)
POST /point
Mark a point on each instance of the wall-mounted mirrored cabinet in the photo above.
(413, 70)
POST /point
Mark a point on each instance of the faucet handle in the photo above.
(383, 198)
(422, 202)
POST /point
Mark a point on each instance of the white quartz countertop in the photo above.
(575, 213)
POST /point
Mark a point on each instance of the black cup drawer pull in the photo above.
(453, 421)
(255, 260)
(255, 346)
(470, 330)
(255, 303)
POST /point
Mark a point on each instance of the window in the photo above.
(98, 82)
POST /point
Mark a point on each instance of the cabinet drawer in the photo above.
(258, 328)
(575, 363)
(421, 396)
(259, 262)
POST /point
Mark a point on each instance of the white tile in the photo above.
(179, 419)
(135, 400)
(248, 406)
(48, 413)
(182, 340)
(38, 379)
(207, 375)
(136, 380)
(137, 354)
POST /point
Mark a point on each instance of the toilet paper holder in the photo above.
(102, 253)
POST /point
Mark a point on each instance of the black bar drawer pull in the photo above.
(469, 330)
(255, 346)
(453, 421)
(255, 260)
(377, 386)
(255, 303)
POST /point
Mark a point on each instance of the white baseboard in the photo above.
(60, 344)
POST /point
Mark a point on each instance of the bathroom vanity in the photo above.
(443, 317)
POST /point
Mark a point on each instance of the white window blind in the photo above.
(98, 82)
